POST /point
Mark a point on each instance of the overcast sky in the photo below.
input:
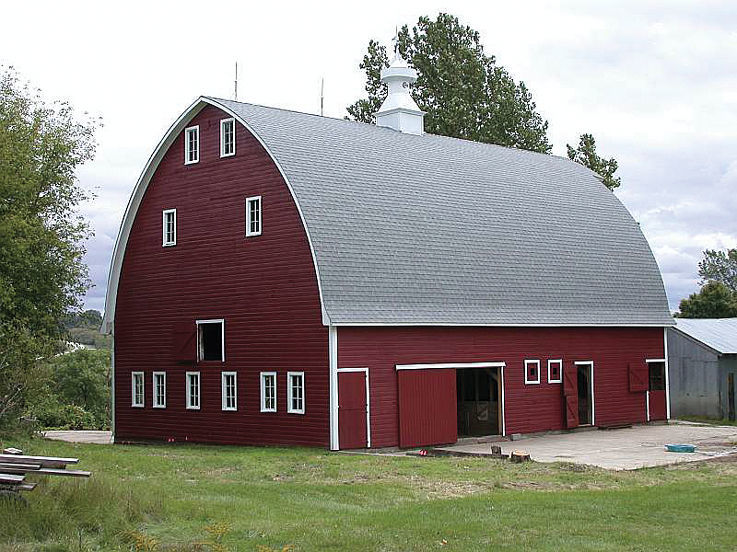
(655, 82)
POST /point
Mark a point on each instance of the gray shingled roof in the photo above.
(433, 230)
(718, 333)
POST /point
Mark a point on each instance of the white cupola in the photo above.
(399, 110)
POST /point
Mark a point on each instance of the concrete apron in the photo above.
(641, 446)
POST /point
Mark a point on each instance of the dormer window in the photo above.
(253, 216)
(169, 229)
(192, 145)
(227, 137)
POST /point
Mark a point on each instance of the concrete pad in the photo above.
(90, 437)
(640, 446)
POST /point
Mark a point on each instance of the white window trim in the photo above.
(291, 410)
(187, 130)
(223, 403)
(262, 378)
(155, 394)
(529, 381)
(135, 404)
(188, 390)
(222, 338)
(165, 243)
(250, 234)
(223, 122)
(560, 371)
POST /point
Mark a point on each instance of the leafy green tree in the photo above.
(714, 300)
(720, 266)
(42, 275)
(586, 155)
(464, 93)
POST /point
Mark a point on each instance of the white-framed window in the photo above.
(227, 137)
(169, 227)
(268, 391)
(253, 216)
(229, 391)
(137, 389)
(555, 371)
(159, 387)
(296, 392)
(192, 380)
(211, 340)
(192, 145)
(532, 371)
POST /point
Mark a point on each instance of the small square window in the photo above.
(159, 394)
(192, 145)
(555, 371)
(227, 137)
(169, 229)
(268, 391)
(137, 387)
(193, 390)
(296, 392)
(211, 340)
(230, 391)
(532, 371)
(253, 216)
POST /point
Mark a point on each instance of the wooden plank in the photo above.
(11, 479)
(8, 465)
(26, 486)
(49, 471)
(45, 461)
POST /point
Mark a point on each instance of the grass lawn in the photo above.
(315, 500)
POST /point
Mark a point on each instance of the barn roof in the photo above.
(718, 333)
(430, 230)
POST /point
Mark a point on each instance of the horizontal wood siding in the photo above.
(264, 287)
(529, 408)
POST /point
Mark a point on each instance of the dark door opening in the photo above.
(584, 394)
(478, 401)
(730, 396)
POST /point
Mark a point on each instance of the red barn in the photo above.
(284, 278)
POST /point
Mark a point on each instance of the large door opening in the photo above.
(656, 391)
(478, 401)
(730, 397)
(585, 399)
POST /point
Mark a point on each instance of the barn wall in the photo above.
(264, 287)
(694, 378)
(529, 408)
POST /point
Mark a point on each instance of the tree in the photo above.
(464, 93)
(42, 275)
(586, 155)
(714, 300)
(720, 266)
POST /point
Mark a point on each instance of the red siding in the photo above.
(427, 407)
(529, 408)
(264, 287)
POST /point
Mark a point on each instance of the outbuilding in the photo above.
(286, 278)
(702, 358)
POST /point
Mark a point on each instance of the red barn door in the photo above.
(427, 407)
(656, 390)
(570, 395)
(352, 430)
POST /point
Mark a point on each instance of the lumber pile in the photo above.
(14, 467)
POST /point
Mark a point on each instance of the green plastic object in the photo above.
(680, 448)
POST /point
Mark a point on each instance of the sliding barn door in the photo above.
(427, 407)
(570, 395)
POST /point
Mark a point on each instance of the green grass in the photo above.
(316, 500)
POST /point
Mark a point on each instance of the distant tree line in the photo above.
(717, 297)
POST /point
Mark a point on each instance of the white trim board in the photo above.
(333, 368)
(141, 186)
(368, 399)
(456, 365)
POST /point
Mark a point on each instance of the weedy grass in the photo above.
(309, 499)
